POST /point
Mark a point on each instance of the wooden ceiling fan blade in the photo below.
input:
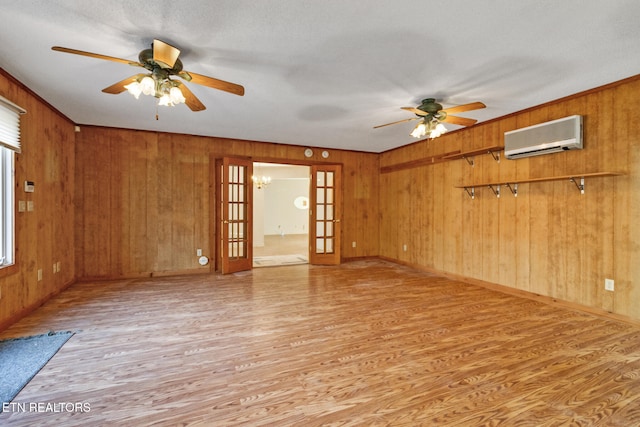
(216, 83)
(395, 123)
(119, 87)
(415, 111)
(95, 55)
(190, 99)
(164, 54)
(462, 121)
(464, 107)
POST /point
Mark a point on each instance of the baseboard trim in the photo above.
(192, 271)
(147, 274)
(358, 258)
(6, 323)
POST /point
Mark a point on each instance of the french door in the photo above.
(235, 214)
(325, 213)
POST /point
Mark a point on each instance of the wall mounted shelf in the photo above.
(418, 162)
(512, 185)
(469, 155)
(446, 157)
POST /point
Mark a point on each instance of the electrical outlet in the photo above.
(404, 248)
(198, 252)
(608, 285)
(353, 244)
(39, 274)
(58, 267)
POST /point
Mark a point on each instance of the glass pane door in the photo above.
(235, 213)
(325, 214)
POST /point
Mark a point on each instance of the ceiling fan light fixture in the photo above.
(165, 89)
(176, 95)
(431, 128)
(165, 100)
(148, 85)
(169, 94)
(134, 89)
(420, 130)
(437, 131)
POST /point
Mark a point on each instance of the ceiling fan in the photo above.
(432, 115)
(161, 62)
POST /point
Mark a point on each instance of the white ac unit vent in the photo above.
(550, 137)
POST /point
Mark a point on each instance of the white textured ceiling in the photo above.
(320, 73)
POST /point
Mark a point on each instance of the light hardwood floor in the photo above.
(282, 250)
(367, 343)
(289, 244)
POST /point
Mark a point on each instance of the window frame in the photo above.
(9, 146)
(7, 207)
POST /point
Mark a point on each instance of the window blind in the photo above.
(10, 124)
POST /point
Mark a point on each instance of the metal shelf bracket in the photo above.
(579, 186)
(495, 190)
(471, 191)
(469, 160)
(495, 155)
(514, 189)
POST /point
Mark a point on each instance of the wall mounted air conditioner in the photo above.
(550, 137)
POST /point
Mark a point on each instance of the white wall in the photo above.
(281, 216)
(273, 208)
(258, 217)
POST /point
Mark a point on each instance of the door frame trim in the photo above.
(214, 224)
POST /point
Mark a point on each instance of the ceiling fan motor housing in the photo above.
(430, 106)
(146, 58)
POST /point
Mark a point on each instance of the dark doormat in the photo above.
(22, 358)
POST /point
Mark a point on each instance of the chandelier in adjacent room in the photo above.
(261, 181)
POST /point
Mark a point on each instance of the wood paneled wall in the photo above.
(144, 199)
(549, 240)
(44, 236)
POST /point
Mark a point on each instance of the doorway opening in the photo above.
(280, 215)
